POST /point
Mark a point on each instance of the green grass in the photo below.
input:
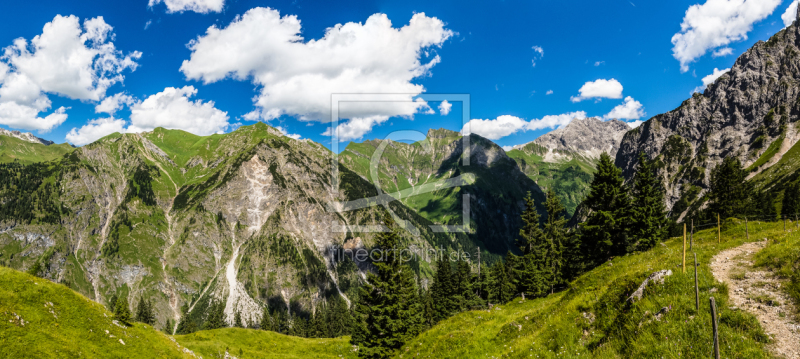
(75, 328)
(13, 149)
(592, 318)
(783, 257)
(771, 151)
(250, 343)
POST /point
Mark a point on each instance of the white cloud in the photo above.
(709, 79)
(790, 14)
(508, 148)
(111, 104)
(66, 59)
(297, 77)
(538, 50)
(355, 128)
(201, 6)
(172, 109)
(598, 63)
(287, 134)
(549, 92)
(444, 107)
(601, 88)
(628, 110)
(725, 51)
(95, 130)
(715, 24)
(506, 125)
(634, 124)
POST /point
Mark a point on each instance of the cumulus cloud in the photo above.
(444, 107)
(173, 109)
(297, 76)
(790, 14)
(506, 125)
(634, 124)
(601, 88)
(709, 79)
(67, 59)
(201, 6)
(628, 110)
(287, 134)
(355, 128)
(111, 104)
(716, 24)
(549, 92)
(725, 51)
(538, 54)
(508, 148)
(95, 130)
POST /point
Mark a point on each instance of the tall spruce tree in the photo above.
(557, 236)
(730, 194)
(648, 217)
(388, 307)
(144, 312)
(532, 270)
(604, 234)
(791, 201)
(764, 205)
(501, 287)
(122, 312)
(215, 316)
(442, 290)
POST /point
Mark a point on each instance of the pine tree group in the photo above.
(122, 312)
(144, 312)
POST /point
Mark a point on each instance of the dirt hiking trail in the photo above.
(759, 292)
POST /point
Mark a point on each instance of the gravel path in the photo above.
(759, 293)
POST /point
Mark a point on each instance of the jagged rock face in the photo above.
(588, 137)
(241, 218)
(25, 136)
(493, 181)
(747, 110)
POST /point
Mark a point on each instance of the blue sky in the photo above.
(481, 48)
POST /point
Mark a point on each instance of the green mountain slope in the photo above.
(593, 318)
(249, 343)
(14, 149)
(492, 180)
(243, 217)
(569, 178)
(39, 319)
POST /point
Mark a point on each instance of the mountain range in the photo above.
(254, 218)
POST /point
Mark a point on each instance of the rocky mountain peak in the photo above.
(588, 137)
(25, 136)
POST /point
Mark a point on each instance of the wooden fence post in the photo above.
(684, 248)
(746, 231)
(719, 230)
(714, 327)
(784, 223)
(691, 237)
(696, 288)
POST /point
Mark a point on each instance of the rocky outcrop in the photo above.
(25, 136)
(587, 137)
(746, 112)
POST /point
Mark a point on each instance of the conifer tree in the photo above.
(532, 272)
(186, 325)
(237, 320)
(388, 309)
(442, 290)
(604, 233)
(501, 288)
(791, 201)
(122, 312)
(557, 236)
(215, 316)
(765, 205)
(730, 193)
(266, 320)
(144, 312)
(648, 220)
(169, 325)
